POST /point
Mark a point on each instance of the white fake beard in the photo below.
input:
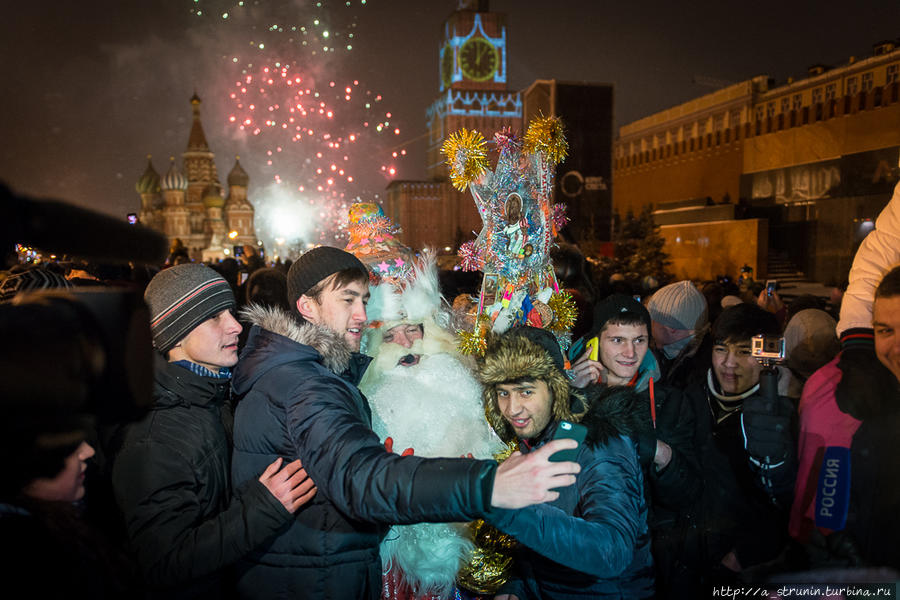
(435, 408)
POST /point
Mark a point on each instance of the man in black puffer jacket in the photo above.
(298, 398)
(666, 423)
(171, 477)
(593, 541)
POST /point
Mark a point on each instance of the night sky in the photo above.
(90, 88)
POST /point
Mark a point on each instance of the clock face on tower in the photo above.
(447, 65)
(478, 59)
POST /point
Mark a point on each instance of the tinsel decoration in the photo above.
(558, 216)
(490, 562)
(489, 565)
(547, 135)
(564, 311)
(469, 258)
(472, 342)
(466, 157)
(374, 227)
(507, 140)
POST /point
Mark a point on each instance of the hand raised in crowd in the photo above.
(587, 371)
(772, 303)
(290, 485)
(526, 479)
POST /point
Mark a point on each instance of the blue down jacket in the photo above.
(293, 404)
(592, 541)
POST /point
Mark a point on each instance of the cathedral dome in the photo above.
(174, 178)
(149, 181)
(238, 175)
(212, 197)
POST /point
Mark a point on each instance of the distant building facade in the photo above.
(817, 158)
(191, 205)
(584, 178)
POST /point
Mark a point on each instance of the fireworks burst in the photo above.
(314, 127)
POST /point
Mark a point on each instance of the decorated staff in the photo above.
(519, 224)
(424, 400)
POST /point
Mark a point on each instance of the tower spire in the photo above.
(197, 140)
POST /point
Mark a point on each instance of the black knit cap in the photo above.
(316, 265)
(615, 305)
(182, 297)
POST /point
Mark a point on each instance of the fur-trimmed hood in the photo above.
(612, 411)
(266, 351)
(510, 357)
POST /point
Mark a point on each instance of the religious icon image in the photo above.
(516, 225)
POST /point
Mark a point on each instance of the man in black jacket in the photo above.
(172, 476)
(298, 397)
(666, 423)
(593, 541)
(748, 451)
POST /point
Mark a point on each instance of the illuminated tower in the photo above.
(175, 213)
(192, 205)
(473, 81)
(214, 234)
(200, 168)
(148, 188)
(238, 210)
(473, 94)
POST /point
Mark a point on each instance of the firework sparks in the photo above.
(312, 125)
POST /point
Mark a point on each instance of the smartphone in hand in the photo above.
(593, 348)
(574, 431)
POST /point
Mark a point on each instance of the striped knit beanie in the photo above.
(182, 297)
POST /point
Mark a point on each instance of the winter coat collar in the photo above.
(177, 386)
(329, 344)
(277, 338)
(612, 412)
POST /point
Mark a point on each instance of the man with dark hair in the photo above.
(746, 447)
(186, 524)
(665, 434)
(864, 421)
(297, 381)
(593, 540)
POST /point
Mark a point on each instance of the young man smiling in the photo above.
(665, 436)
(172, 476)
(593, 540)
(297, 382)
(747, 450)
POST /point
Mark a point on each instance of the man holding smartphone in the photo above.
(593, 540)
(622, 328)
(298, 399)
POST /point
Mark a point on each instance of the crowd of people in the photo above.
(314, 432)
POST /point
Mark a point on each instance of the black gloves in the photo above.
(865, 385)
(767, 428)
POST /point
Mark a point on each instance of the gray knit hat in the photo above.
(679, 305)
(314, 266)
(182, 297)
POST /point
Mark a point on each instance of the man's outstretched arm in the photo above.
(526, 479)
